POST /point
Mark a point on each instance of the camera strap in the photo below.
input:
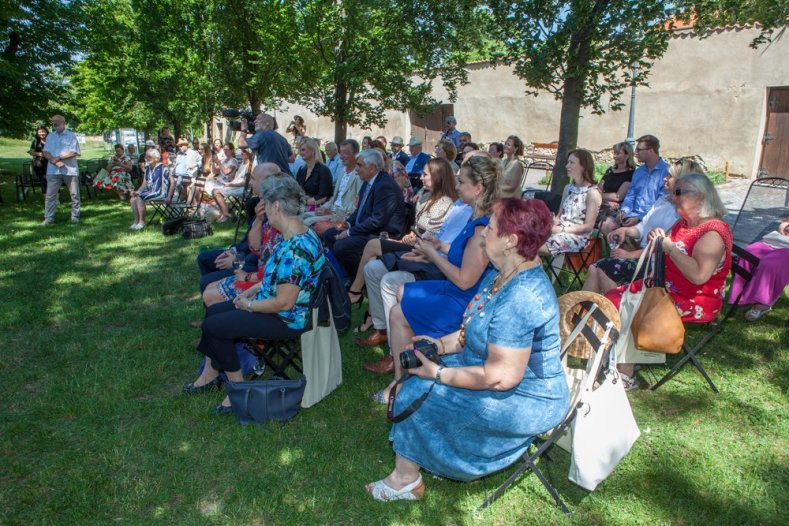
(416, 404)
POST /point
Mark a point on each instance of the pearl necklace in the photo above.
(470, 312)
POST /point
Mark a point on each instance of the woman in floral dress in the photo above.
(573, 226)
(118, 176)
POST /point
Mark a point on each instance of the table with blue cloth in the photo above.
(464, 434)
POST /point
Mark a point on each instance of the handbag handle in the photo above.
(598, 357)
(576, 331)
(646, 255)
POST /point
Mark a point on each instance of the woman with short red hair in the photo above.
(501, 382)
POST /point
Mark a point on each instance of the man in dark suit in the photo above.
(397, 151)
(381, 209)
(416, 162)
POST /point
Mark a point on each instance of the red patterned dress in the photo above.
(695, 303)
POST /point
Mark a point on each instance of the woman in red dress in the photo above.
(698, 256)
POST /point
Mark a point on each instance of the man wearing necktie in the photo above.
(381, 209)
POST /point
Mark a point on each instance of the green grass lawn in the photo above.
(13, 152)
(96, 345)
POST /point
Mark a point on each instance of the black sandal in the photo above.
(359, 293)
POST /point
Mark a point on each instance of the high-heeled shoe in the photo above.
(366, 324)
(359, 300)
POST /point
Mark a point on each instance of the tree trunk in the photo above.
(176, 129)
(568, 133)
(572, 97)
(340, 102)
(209, 130)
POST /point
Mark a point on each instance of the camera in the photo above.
(234, 117)
(408, 359)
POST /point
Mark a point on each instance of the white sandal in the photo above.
(382, 492)
(754, 314)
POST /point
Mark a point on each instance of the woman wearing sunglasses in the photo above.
(609, 273)
(697, 254)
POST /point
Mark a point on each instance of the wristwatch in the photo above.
(438, 374)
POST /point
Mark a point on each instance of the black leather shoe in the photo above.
(190, 389)
(222, 410)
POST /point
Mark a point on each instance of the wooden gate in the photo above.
(429, 127)
(775, 141)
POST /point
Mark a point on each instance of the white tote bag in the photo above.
(320, 352)
(575, 379)
(604, 428)
(626, 348)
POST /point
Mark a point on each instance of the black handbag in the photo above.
(172, 227)
(197, 229)
(420, 269)
(264, 400)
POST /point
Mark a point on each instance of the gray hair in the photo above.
(154, 154)
(711, 204)
(452, 119)
(372, 156)
(287, 192)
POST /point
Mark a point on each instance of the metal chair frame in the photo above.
(715, 326)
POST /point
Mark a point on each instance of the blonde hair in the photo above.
(313, 145)
(681, 167)
(711, 204)
(485, 171)
(628, 149)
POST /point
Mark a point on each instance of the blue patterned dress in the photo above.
(434, 307)
(464, 434)
(296, 261)
(156, 183)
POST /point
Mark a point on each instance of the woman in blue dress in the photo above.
(434, 307)
(153, 187)
(501, 382)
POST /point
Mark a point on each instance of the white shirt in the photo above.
(663, 214)
(61, 144)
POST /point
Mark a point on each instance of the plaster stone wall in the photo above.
(706, 97)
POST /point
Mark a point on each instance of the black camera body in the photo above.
(234, 117)
(409, 360)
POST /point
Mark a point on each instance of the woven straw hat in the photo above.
(570, 304)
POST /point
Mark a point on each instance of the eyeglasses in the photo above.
(642, 149)
(683, 191)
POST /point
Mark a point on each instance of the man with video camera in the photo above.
(270, 146)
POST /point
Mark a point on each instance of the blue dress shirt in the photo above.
(646, 188)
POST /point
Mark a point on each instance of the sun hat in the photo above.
(415, 141)
(571, 304)
(397, 140)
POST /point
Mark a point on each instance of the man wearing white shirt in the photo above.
(61, 150)
(334, 162)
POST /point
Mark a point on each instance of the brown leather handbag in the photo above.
(657, 326)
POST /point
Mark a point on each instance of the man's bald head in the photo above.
(260, 173)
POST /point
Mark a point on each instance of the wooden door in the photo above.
(429, 127)
(775, 141)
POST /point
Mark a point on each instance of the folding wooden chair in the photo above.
(188, 208)
(601, 333)
(715, 327)
(574, 263)
(278, 356)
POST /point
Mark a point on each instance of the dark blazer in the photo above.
(319, 185)
(384, 209)
(419, 165)
(402, 157)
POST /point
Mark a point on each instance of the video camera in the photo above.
(234, 117)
